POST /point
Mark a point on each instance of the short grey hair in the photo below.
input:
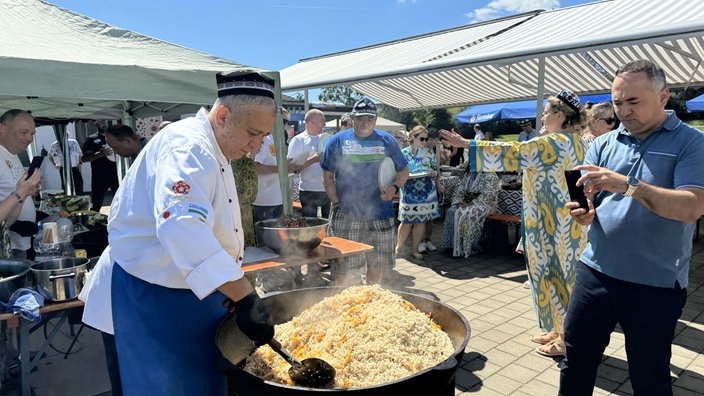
(10, 115)
(241, 105)
(655, 73)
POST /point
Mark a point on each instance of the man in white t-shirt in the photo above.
(269, 202)
(478, 134)
(17, 130)
(305, 150)
(56, 156)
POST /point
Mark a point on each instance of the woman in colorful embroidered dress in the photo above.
(552, 241)
(419, 199)
(464, 220)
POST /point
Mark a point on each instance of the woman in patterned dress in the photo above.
(419, 199)
(552, 240)
(480, 199)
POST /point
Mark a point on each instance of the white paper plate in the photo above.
(417, 175)
(387, 172)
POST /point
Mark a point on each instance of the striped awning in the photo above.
(518, 58)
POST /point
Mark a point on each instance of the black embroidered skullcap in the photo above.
(571, 99)
(525, 123)
(244, 82)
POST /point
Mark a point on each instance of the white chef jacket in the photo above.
(311, 175)
(12, 170)
(268, 186)
(174, 221)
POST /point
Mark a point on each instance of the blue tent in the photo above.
(696, 104)
(512, 110)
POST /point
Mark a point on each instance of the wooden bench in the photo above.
(498, 231)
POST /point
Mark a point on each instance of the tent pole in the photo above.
(280, 147)
(123, 163)
(62, 139)
(541, 93)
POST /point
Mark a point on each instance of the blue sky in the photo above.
(275, 34)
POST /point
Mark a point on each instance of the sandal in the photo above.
(554, 348)
(544, 338)
(417, 256)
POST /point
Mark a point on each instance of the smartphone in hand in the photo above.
(36, 163)
(576, 192)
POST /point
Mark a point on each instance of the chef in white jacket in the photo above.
(176, 246)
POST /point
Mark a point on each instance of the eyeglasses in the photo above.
(609, 120)
(423, 139)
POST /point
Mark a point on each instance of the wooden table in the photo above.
(331, 248)
(49, 311)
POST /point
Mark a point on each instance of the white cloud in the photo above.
(499, 8)
(406, 1)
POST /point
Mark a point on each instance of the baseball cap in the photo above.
(364, 106)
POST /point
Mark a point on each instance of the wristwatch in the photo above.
(632, 184)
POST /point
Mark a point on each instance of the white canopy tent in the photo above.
(381, 124)
(62, 65)
(59, 64)
(518, 58)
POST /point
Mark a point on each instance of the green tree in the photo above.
(340, 94)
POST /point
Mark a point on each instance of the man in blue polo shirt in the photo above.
(645, 184)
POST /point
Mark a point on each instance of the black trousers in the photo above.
(77, 180)
(648, 317)
(311, 200)
(100, 182)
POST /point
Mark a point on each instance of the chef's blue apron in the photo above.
(165, 338)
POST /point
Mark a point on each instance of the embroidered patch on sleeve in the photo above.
(181, 188)
(198, 210)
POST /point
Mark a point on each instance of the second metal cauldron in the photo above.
(13, 276)
(60, 278)
(234, 347)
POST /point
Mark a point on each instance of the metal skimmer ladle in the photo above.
(311, 372)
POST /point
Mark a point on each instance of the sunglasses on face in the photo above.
(423, 139)
(285, 121)
(609, 120)
(344, 123)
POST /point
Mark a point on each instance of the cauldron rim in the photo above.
(19, 262)
(451, 362)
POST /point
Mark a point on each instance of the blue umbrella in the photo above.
(696, 104)
(512, 110)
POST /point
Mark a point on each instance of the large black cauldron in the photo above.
(234, 347)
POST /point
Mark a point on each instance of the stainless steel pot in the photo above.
(60, 278)
(234, 347)
(13, 275)
(292, 241)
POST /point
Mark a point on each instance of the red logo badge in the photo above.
(166, 215)
(181, 188)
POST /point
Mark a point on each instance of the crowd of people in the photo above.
(208, 179)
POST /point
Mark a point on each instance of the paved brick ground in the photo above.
(499, 360)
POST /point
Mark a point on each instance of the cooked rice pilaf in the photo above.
(370, 335)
